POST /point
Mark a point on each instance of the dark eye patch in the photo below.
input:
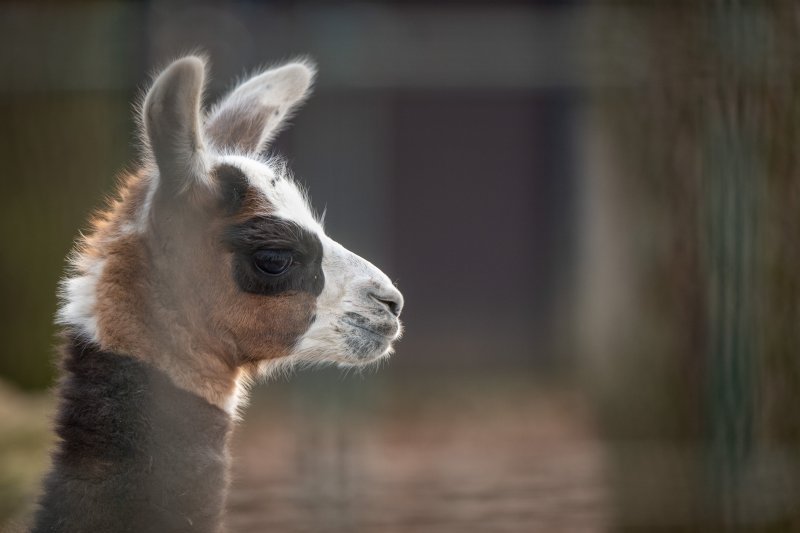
(260, 233)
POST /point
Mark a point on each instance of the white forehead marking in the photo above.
(287, 199)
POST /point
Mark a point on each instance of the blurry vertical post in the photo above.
(693, 289)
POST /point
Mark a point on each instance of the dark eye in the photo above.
(273, 262)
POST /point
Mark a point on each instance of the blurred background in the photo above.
(591, 208)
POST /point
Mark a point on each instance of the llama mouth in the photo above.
(385, 331)
(370, 331)
(366, 341)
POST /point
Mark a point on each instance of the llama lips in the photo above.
(366, 339)
(381, 329)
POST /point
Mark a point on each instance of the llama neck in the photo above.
(136, 453)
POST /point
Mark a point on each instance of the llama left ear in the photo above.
(171, 119)
(250, 116)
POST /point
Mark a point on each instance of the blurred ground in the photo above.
(325, 453)
(455, 455)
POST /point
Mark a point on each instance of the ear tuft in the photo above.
(171, 117)
(250, 116)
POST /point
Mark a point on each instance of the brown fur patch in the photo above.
(167, 295)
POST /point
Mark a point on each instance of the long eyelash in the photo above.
(267, 232)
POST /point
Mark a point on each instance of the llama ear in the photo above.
(248, 118)
(171, 119)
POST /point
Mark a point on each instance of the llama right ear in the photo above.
(246, 119)
(172, 124)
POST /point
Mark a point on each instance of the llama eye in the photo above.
(273, 262)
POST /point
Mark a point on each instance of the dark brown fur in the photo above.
(136, 453)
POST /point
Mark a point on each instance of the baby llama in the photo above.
(209, 269)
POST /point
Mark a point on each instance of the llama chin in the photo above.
(208, 270)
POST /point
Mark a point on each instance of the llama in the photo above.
(209, 270)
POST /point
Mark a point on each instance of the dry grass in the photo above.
(25, 440)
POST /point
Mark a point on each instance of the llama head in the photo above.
(213, 255)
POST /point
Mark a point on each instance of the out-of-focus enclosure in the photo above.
(592, 209)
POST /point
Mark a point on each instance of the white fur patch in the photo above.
(349, 279)
(288, 201)
(239, 398)
(78, 299)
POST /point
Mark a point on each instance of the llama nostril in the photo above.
(393, 302)
(393, 306)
